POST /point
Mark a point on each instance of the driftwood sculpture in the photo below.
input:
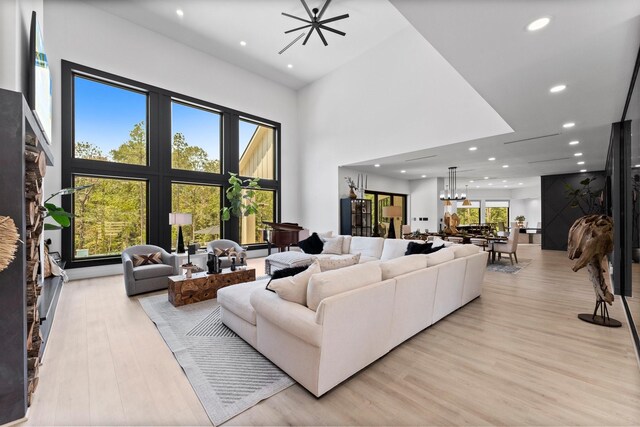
(590, 240)
(450, 223)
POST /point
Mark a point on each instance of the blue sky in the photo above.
(104, 116)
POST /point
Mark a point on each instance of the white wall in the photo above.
(83, 34)
(425, 203)
(398, 97)
(374, 183)
(15, 26)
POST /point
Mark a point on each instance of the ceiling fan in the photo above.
(315, 22)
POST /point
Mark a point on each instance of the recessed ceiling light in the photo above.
(424, 176)
(486, 177)
(538, 24)
(505, 166)
(477, 186)
(578, 154)
(506, 186)
(180, 13)
(490, 184)
(583, 170)
(491, 159)
(243, 43)
(471, 180)
(558, 88)
(473, 148)
(519, 183)
(377, 165)
(568, 125)
(574, 143)
(403, 171)
(504, 180)
(581, 163)
(289, 65)
(637, 166)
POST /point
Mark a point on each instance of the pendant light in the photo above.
(466, 202)
(451, 192)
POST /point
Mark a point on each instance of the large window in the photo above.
(149, 152)
(251, 226)
(257, 145)
(203, 203)
(110, 216)
(469, 214)
(496, 212)
(109, 122)
(195, 143)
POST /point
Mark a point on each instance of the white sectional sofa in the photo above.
(354, 315)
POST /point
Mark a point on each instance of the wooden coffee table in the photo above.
(203, 286)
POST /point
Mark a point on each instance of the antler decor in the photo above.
(590, 240)
(8, 241)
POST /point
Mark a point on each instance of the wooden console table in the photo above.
(203, 286)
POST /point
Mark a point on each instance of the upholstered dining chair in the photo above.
(509, 247)
(149, 277)
(224, 244)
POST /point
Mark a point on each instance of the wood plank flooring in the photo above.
(516, 356)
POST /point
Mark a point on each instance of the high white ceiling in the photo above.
(218, 26)
(590, 45)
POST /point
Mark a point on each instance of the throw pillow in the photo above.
(327, 264)
(311, 245)
(333, 246)
(148, 259)
(432, 250)
(285, 272)
(294, 288)
(414, 248)
(223, 252)
(325, 235)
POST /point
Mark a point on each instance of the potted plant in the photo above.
(520, 221)
(58, 214)
(241, 197)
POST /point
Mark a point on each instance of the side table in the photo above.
(203, 286)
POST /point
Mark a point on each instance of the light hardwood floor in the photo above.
(516, 356)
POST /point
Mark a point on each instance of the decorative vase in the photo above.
(352, 194)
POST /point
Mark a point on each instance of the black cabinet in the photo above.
(356, 217)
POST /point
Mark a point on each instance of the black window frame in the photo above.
(158, 171)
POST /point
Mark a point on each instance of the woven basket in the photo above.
(8, 241)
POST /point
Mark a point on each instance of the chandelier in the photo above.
(451, 190)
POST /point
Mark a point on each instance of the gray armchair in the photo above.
(224, 244)
(147, 278)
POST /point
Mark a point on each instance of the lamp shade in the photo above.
(176, 218)
(391, 211)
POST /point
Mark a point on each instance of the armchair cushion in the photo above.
(152, 270)
(148, 259)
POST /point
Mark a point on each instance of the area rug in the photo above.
(228, 375)
(504, 265)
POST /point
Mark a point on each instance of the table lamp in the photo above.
(391, 212)
(180, 219)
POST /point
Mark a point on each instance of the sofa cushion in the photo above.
(393, 248)
(146, 259)
(439, 242)
(331, 283)
(460, 251)
(346, 244)
(364, 258)
(335, 262)
(439, 257)
(333, 245)
(402, 265)
(294, 288)
(236, 299)
(152, 270)
(312, 244)
(367, 246)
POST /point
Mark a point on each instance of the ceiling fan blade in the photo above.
(332, 30)
(295, 17)
(304, 3)
(337, 18)
(297, 29)
(292, 43)
(321, 36)
(307, 38)
(324, 8)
